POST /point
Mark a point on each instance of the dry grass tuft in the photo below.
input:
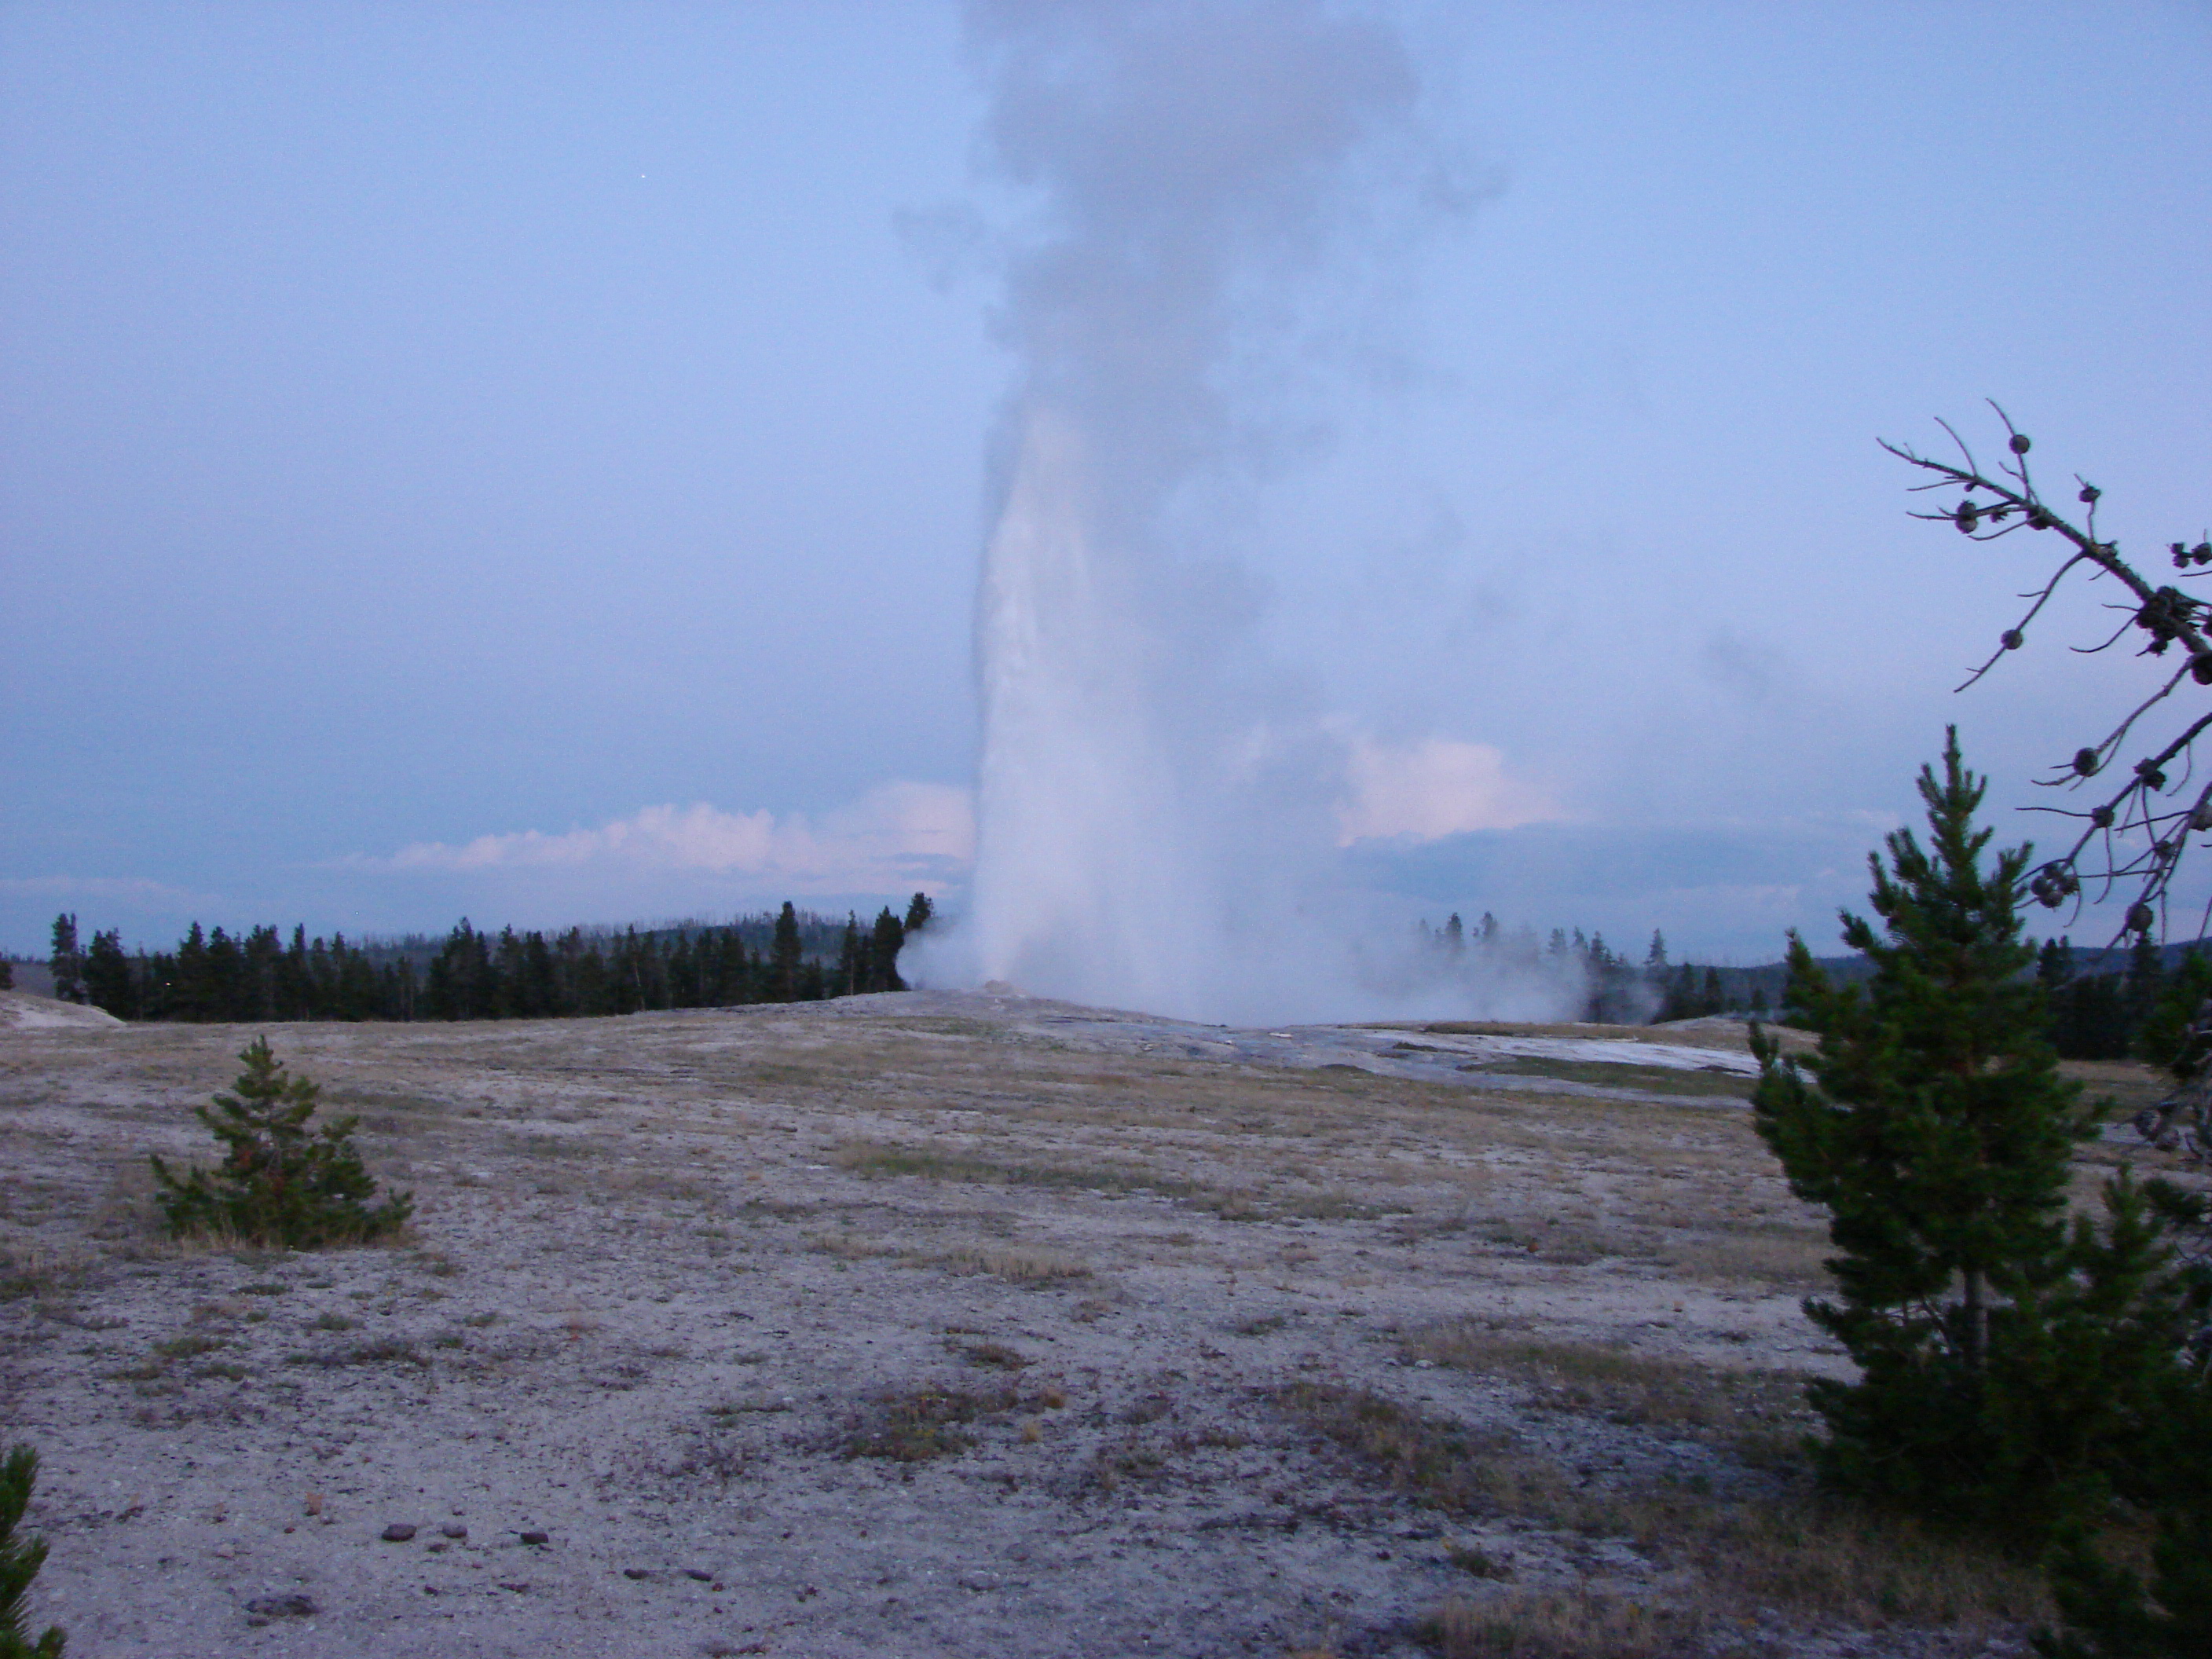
(40, 1274)
(996, 1356)
(1016, 1267)
(1476, 1562)
(1835, 1560)
(876, 1161)
(385, 1351)
(711, 1459)
(189, 1347)
(849, 1246)
(1438, 1462)
(1760, 1412)
(915, 1426)
(1578, 1624)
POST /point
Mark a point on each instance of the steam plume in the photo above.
(1154, 821)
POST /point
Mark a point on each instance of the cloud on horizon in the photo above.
(897, 835)
(1435, 788)
(906, 834)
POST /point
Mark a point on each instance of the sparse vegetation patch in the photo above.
(278, 1184)
(1749, 1408)
(1015, 1267)
(1784, 1548)
(674, 1361)
(1576, 1623)
(914, 1426)
(385, 1351)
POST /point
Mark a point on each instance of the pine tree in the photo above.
(1932, 1126)
(732, 968)
(1655, 958)
(2164, 1467)
(280, 1184)
(296, 985)
(507, 991)
(2089, 1020)
(919, 912)
(850, 962)
(539, 996)
(226, 972)
(784, 956)
(265, 951)
(2054, 963)
(2146, 980)
(2110, 1612)
(107, 982)
(68, 962)
(192, 994)
(19, 1560)
(882, 957)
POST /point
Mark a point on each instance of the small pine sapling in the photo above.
(280, 1183)
(1932, 1126)
(19, 1560)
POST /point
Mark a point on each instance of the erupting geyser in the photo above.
(1155, 829)
(1081, 859)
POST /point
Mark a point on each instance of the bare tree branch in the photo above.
(2137, 836)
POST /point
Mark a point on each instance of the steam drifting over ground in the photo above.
(1157, 812)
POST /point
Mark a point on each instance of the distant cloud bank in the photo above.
(902, 834)
(1436, 787)
(897, 835)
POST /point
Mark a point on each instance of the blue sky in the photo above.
(533, 461)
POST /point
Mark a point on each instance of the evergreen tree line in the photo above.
(785, 956)
(2104, 1004)
(1617, 990)
(2099, 1004)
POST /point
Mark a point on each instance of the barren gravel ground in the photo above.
(942, 1325)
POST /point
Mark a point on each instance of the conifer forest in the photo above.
(212, 975)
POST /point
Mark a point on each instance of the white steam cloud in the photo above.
(1156, 816)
